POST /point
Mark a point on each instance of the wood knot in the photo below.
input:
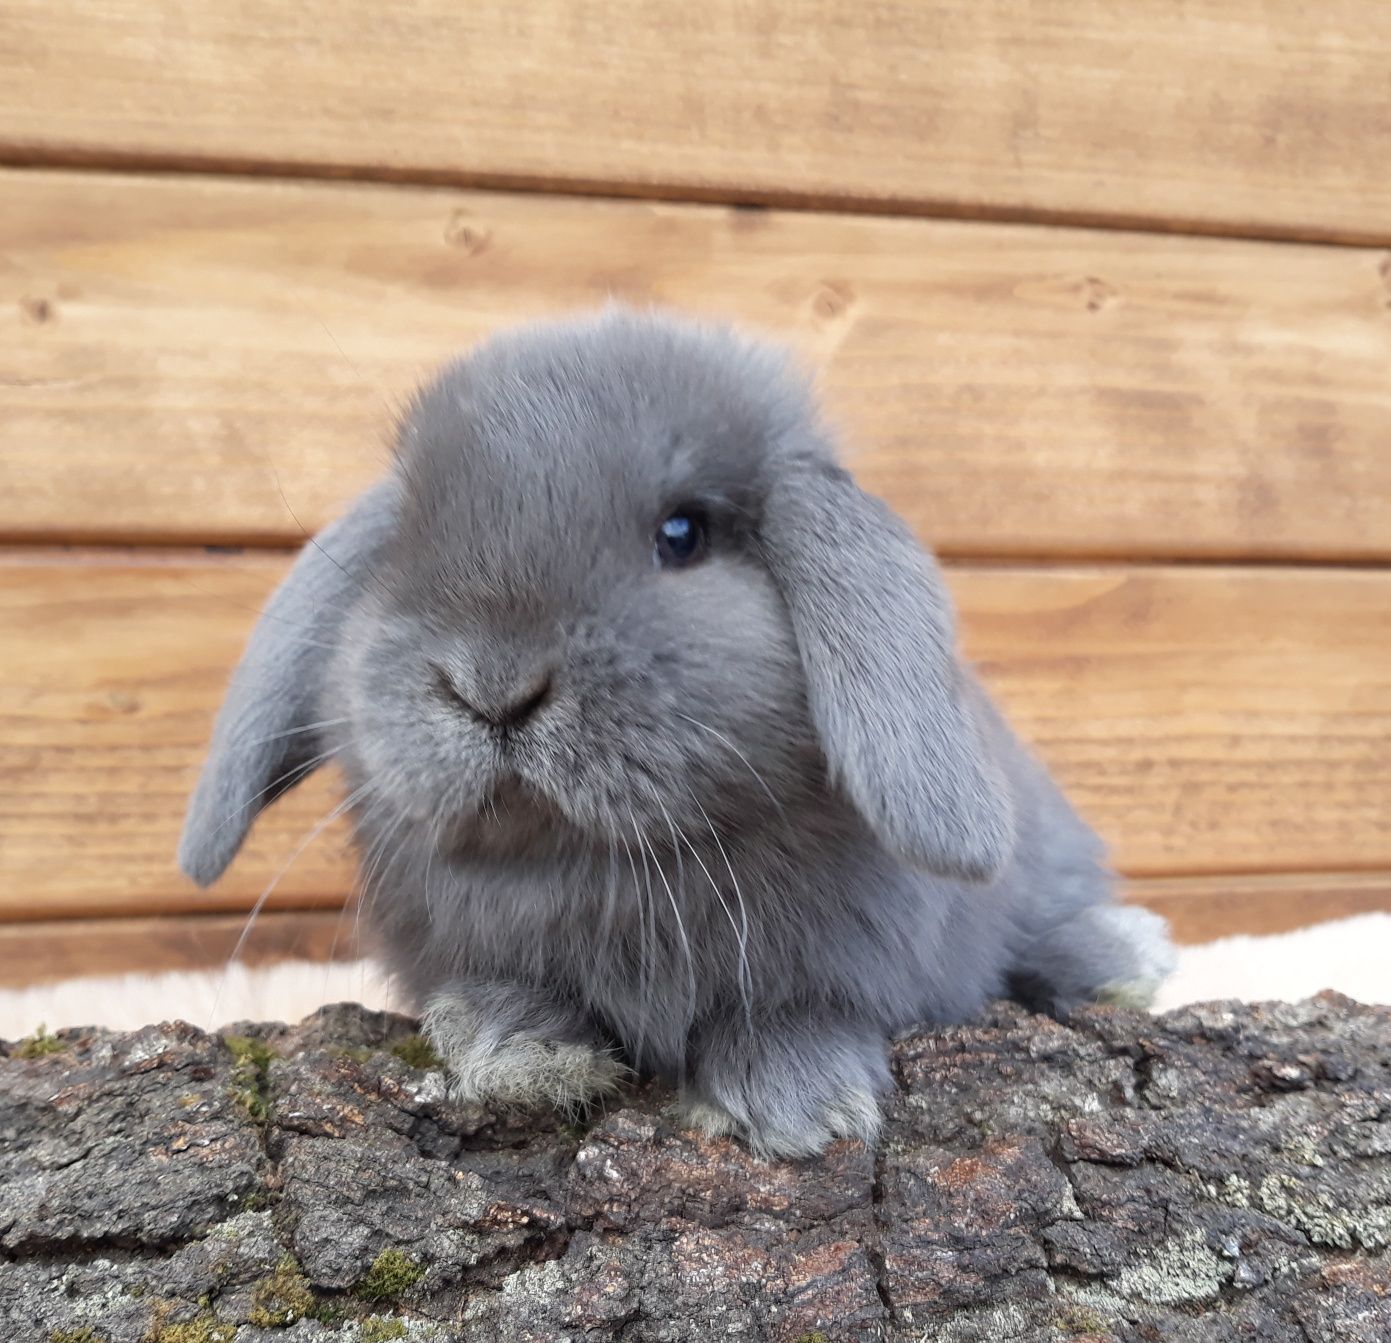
(1384, 272)
(831, 299)
(463, 232)
(37, 311)
(745, 216)
(1097, 294)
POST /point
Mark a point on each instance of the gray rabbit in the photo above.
(659, 751)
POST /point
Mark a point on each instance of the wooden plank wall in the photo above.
(1100, 299)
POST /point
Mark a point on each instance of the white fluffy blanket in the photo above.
(1350, 955)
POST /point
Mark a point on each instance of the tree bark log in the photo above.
(1220, 1173)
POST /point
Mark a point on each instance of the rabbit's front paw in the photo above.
(487, 1062)
(790, 1096)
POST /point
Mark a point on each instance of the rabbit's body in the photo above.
(721, 804)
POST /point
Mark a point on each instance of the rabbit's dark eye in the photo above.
(680, 540)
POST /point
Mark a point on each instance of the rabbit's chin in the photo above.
(511, 817)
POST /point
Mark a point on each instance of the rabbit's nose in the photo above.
(505, 707)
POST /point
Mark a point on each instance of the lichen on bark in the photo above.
(1220, 1173)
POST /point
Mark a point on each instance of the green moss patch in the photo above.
(207, 1328)
(282, 1298)
(380, 1329)
(42, 1042)
(251, 1075)
(332, 1311)
(391, 1274)
(1079, 1319)
(358, 1053)
(418, 1052)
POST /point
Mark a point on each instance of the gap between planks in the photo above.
(674, 192)
(1224, 114)
(192, 360)
(1202, 719)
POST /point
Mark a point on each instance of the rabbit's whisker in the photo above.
(741, 931)
(303, 770)
(333, 814)
(610, 892)
(296, 731)
(264, 614)
(678, 837)
(343, 908)
(680, 929)
(720, 737)
(646, 916)
(367, 882)
(432, 844)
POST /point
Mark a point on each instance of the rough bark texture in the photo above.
(1220, 1173)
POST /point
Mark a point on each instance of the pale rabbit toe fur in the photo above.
(516, 1068)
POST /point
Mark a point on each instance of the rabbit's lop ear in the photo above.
(890, 701)
(265, 740)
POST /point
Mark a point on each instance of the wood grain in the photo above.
(43, 951)
(1203, 719)
(215, 361)
(1260, 116)
(1206, 720)
(110, 671)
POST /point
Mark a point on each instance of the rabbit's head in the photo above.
(615, 582)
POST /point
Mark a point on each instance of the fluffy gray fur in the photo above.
(737, 823)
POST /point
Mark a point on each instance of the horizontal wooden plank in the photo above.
(1199, 909)
(1205, 719)
(189, 360)
(111, 671)
(1255, 115)
(44, 951)
(1204, 908)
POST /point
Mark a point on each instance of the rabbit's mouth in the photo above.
(507, 795)
(509, 817)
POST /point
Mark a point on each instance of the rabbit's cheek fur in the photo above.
(681, 705)
(402, 746)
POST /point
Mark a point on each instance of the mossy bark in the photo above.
(1221, 1173)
